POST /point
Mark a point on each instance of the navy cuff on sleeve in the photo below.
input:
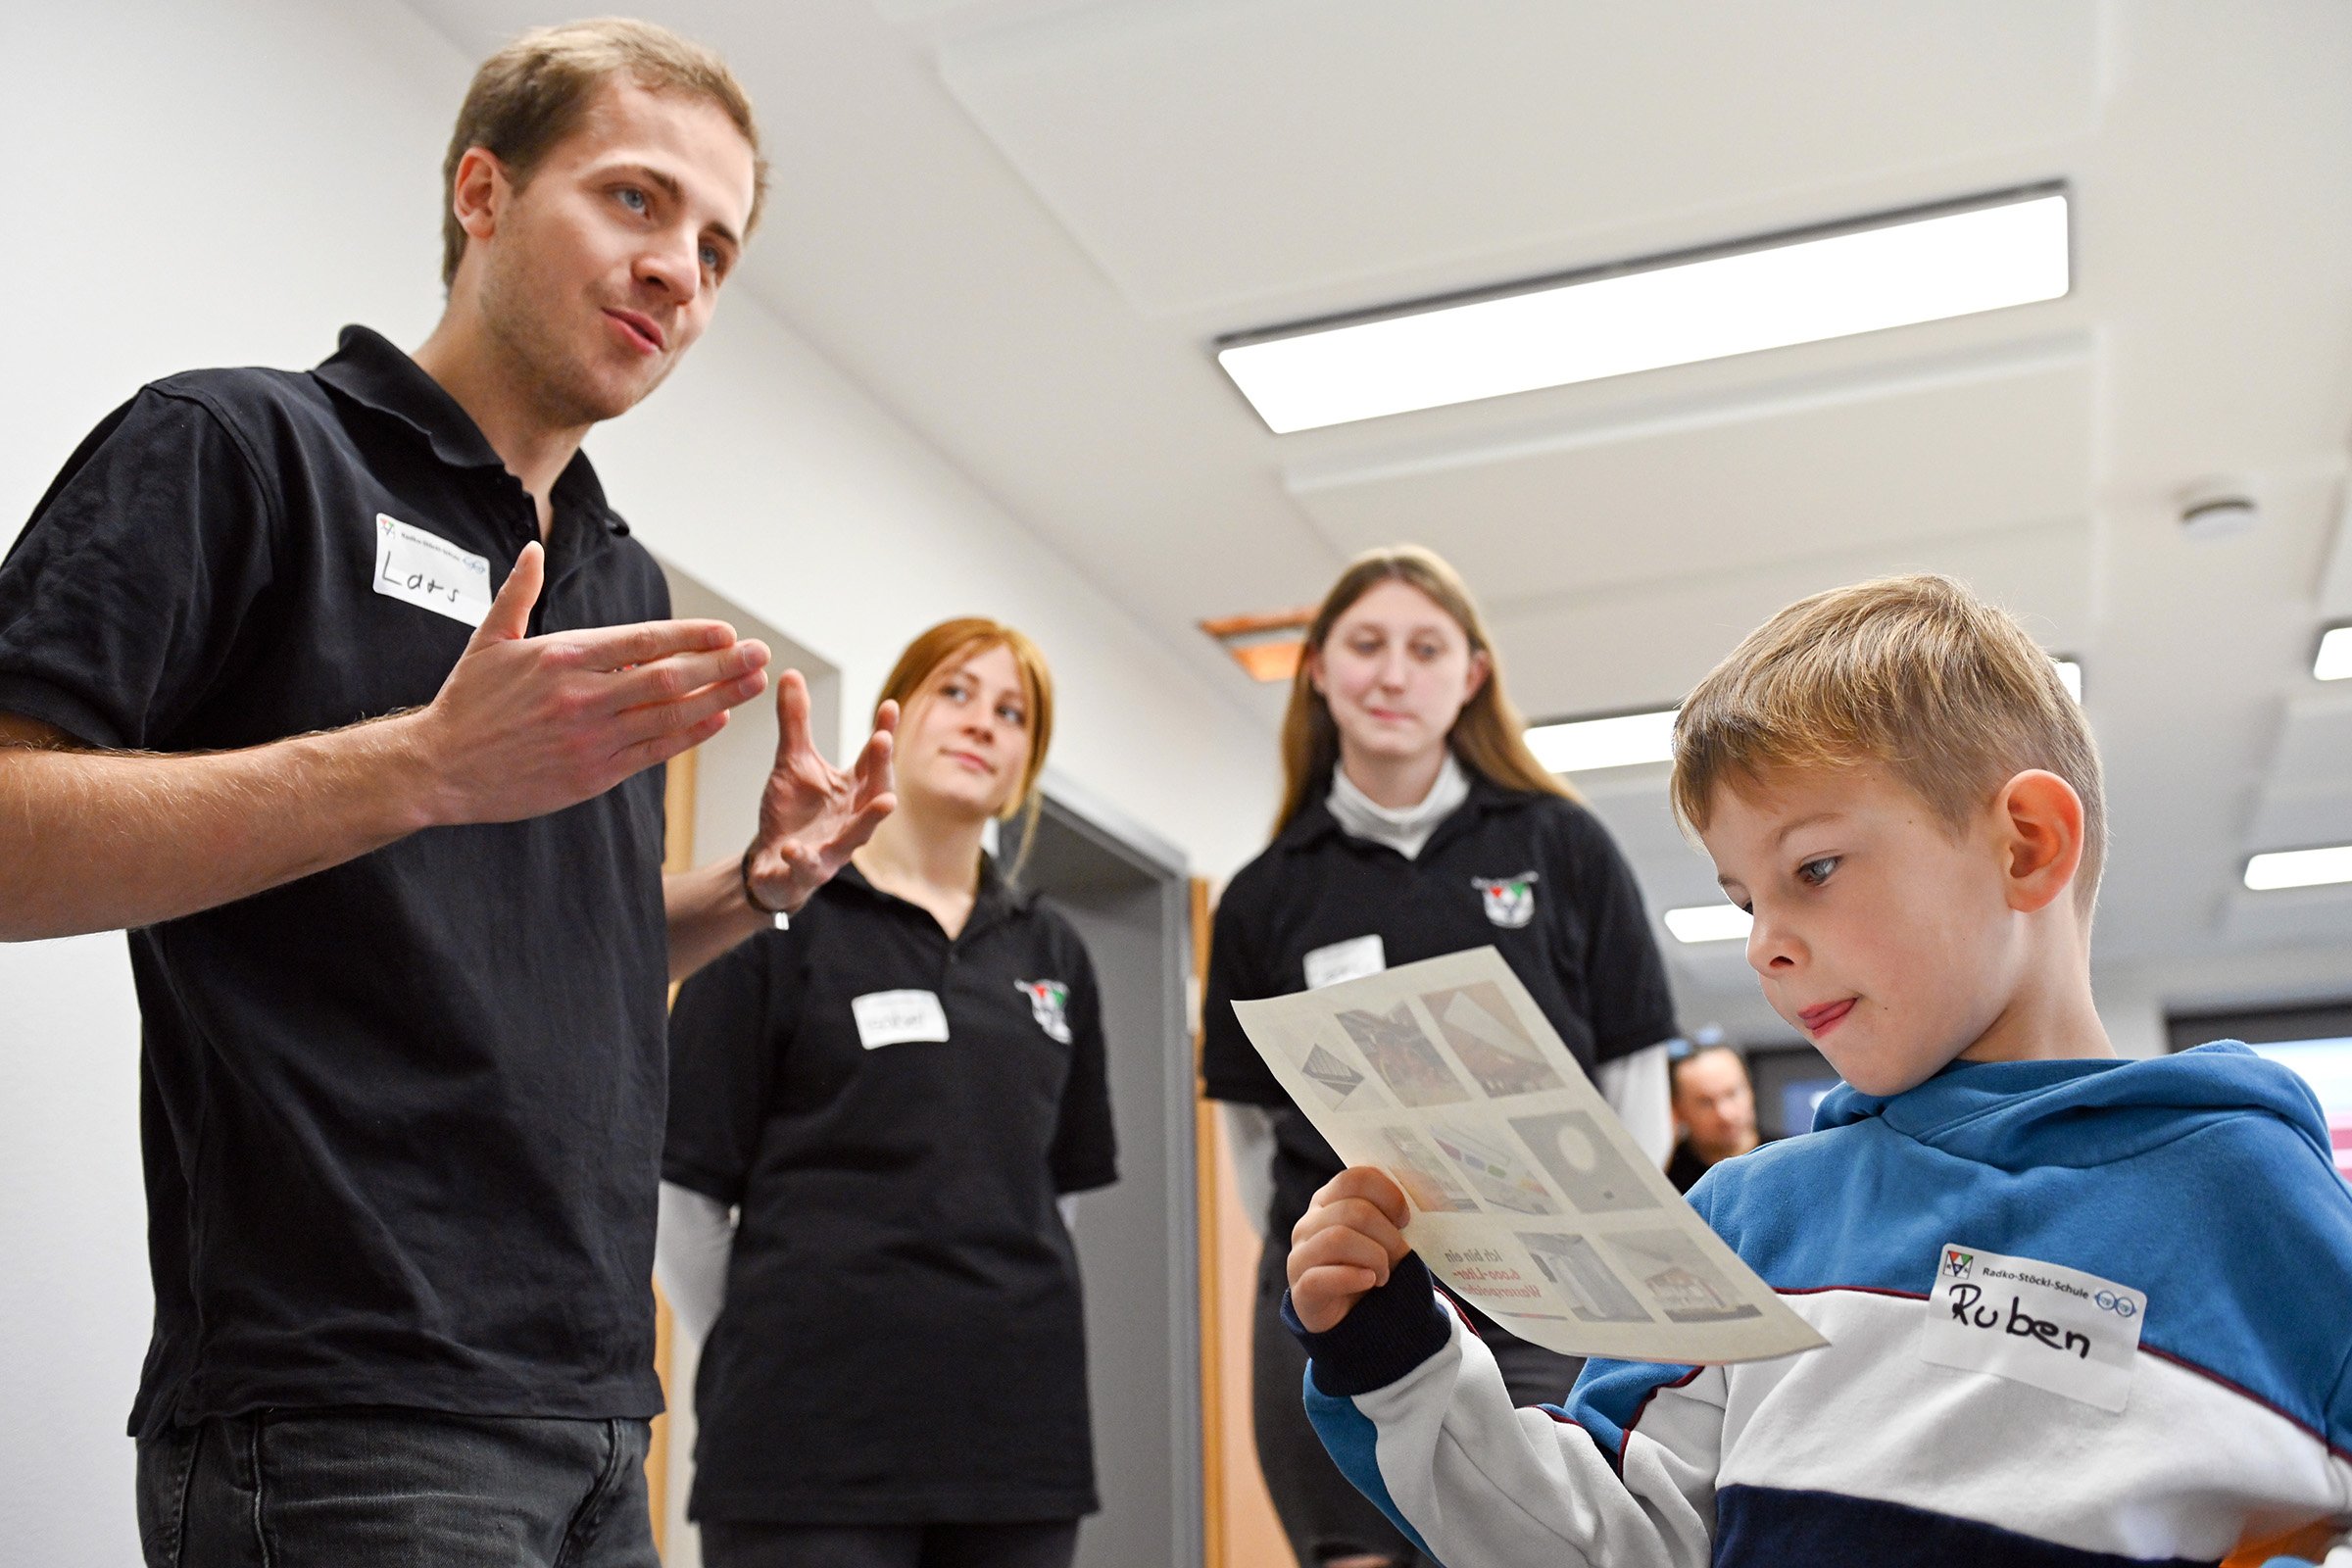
(1392, 1329)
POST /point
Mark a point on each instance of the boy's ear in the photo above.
(2040, 819)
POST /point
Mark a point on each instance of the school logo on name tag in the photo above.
(427, 570)
(1510, 900)
(1049, 1005)
(1351, 959)
(2060, 1328)
(898, 1017)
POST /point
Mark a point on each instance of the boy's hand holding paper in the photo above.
(1347, 1243)
(1478, 1141)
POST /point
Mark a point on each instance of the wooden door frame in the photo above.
(677, 854)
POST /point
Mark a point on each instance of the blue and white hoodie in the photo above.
(2203, 1178)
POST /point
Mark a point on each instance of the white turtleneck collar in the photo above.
(1403, 828)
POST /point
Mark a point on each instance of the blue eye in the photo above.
(1816, 872)
(1011, 714)
(632, 198)
(710, 258)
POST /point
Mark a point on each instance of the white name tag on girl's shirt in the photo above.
(1351, 959)
(898, 1017)
(2059, 1329)
(427, 570)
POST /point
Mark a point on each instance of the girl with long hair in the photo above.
(892, 1095)
(1414, 822)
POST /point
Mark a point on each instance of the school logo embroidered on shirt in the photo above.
(1510, 900)
(1049, 1004)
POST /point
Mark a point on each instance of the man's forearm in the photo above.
(707, 915)
(99, 841)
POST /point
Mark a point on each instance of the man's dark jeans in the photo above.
(395, 1489)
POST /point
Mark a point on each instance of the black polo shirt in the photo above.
(1535, 876)
(902, 1339)
(402, 1118)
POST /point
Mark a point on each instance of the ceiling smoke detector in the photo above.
(2216, 509)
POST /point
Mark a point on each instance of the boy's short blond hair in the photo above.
(536, 91)
(1916, 673)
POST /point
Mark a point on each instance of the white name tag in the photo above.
(423, 569)
(2071, 1333)
(898, 1017)
(1351, 959)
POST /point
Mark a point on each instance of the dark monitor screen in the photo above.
(1790, 1079)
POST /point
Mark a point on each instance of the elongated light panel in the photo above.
(1582, 745)
(2300, 868)
(2335, 662)
(1801, 292)
(1710, 922)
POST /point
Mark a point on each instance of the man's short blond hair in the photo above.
(534, 92)
(1915, 674)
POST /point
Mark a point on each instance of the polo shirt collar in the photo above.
(1314, 823)
(371, 370)
(993, 900)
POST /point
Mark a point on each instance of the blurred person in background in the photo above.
(894, 1097)
(1714, 1111)
(1414, 823)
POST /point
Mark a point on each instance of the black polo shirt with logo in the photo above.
(1534, 876)
(402, 1118)
(903, 1337)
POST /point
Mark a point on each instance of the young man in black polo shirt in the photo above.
(345, 692)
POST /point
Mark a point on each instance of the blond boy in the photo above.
(2081, 1310)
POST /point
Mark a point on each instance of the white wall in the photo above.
(226, 181)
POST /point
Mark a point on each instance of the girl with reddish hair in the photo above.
(891, 1095)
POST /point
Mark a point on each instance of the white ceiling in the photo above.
(1021, 223)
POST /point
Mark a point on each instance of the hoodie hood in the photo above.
(2014, 1115)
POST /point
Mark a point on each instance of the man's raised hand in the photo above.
(1351, 1236)
(527, 725)
(812, 813)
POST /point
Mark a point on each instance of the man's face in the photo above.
(604, 269)
(1715, 1104)
(1881, 935)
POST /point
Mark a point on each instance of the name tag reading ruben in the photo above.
(427, 570)
(1351, 959)
(2059, 1329)
(898, 1017)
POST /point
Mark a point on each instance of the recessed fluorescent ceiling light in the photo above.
(2299, 868)
(1710, 922)
(1582, 745)
(1880, 273)
(2335, 655)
